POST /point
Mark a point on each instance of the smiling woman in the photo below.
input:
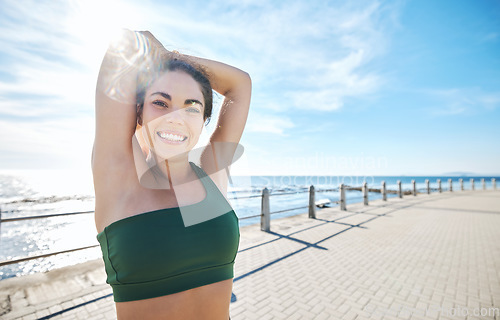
(168, 235)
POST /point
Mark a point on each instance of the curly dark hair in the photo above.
(149, 75)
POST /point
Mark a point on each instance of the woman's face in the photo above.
(172, 116)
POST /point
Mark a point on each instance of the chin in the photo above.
(165, 151)
(172, 154)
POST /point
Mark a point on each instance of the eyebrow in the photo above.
(169, 98)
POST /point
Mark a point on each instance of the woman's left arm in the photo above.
(224, 148)
(236, 86)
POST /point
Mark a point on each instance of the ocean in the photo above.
(34, 193)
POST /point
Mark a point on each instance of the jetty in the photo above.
(425, 256)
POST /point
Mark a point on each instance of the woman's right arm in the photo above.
(115, 102)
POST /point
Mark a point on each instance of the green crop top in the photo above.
(170, 250)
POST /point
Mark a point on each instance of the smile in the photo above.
(171, 137)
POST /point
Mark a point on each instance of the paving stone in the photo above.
(42, 313)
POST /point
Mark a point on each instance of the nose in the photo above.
(174, 116)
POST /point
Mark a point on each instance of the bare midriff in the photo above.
(209, 302)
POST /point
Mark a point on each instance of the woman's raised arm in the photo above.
(116, 98)
(236, 86)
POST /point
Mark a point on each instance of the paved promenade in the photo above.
(426, 257)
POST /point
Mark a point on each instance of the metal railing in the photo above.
(18, 260)
(265, 215)
(265, 221)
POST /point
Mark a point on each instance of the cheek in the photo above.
(200, 123)
(196, 128)
(149, 113)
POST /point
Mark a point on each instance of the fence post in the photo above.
(414, 185)
(400, 191)
(439, 185)
(365, 193)
(483, 183)
(461, 184)
(427, 186)
(494, 183)
(342, 197)
(384, 193)
(265, 219)
(472, 184)
(312, 206)
(451, 185)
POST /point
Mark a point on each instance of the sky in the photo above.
(339, 87)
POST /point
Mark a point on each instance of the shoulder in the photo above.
(219, 177)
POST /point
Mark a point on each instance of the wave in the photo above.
(48, 199)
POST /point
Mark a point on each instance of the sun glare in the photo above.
(93, 24)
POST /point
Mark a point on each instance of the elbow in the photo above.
(246, 82)
(240, 86)
(247, 79)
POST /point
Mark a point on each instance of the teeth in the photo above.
(172, 137)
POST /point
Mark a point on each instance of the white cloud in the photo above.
(317, 54)
(338, 80)
(311, 48)
(463, 101)
(258, 122)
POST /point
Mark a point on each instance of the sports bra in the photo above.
(170, 250)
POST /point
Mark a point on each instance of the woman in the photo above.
(167, 233)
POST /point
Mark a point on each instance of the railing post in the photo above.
(461, 184)
(414, 185)
(342, 197)
(365, 193)
(451, 185)
(494, 183)
(439, 185)
(384, 193)
(400, 191)
(483, 183)
(312, 206)
(472, 184)
(265, 219)
(427, 186)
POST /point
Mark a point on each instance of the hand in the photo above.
(152, 39)
(155, 46)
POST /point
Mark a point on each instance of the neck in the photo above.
(172, 172)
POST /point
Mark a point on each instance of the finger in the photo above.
(152, 38)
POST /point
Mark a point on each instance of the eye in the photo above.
(160, 103)
(191, 106)
(194, 110)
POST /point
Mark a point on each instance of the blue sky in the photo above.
(339, 87)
